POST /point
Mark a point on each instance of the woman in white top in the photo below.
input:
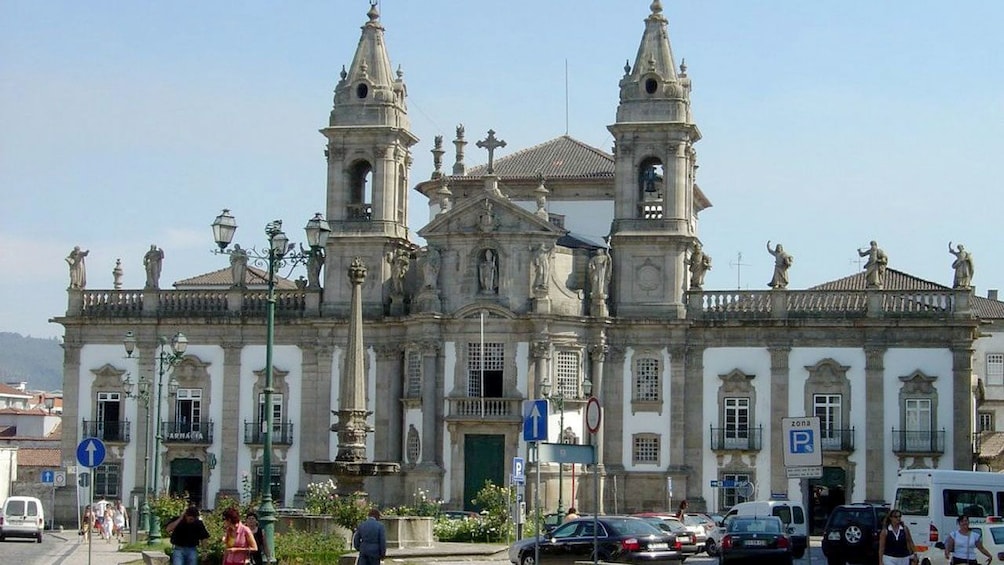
(962, 544)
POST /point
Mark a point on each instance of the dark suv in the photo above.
(851, 533)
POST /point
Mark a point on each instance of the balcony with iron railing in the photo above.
(199, 433)
(107, 431)
(477, 408)
(918, 442)
(836, 439)
(737, 438)
(254, 433)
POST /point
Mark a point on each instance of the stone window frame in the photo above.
(108, 378)
(192, 373)
(654, 442)
(995, 368)
(464, 362)
(827, 376)
(644, 356)
(737, 384)
(279, 387)
(730, 496)
(413, 361)
(278, 473)
(985, 421)
(107, 470)
(918, 386)
(566, 386)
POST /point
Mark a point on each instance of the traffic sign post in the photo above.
(803, 459)
(48, 477)
(518, 470)
(535, 420)
(91, 452)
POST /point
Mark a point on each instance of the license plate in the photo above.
(833, 535)
(654, 546)
(755, 542)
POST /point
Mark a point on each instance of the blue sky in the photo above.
(826, 124)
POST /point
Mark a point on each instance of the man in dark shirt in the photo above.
(370, 540)
(186, 532)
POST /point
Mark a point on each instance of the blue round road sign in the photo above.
(91, 452)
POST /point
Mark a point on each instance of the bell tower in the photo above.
(656, 200)
(369, 155)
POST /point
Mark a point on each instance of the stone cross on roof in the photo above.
(491, 144)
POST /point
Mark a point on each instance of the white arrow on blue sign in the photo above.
(535, 420)
(48, 477)
(91, 452)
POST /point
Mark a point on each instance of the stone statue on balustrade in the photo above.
(875, 266)
(239, 266)
(152, 262)
(782, 261)
(599, 274)
(315, 262)
(78, 269)
(963, 266)
(699, 264)
(117, 275)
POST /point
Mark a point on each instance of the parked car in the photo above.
(851, 533)
(22, 517)
(685, 540)
(621, 539)
(791, 514)
(460, 515)
(755, 539)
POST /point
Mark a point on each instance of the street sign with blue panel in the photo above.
(801, 442)
(91, 452)
(518, 470)
(48, 477)
(535, 420)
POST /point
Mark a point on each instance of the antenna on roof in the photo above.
(738, 264)
(566, 96)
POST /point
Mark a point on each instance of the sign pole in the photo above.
(90, 526)
(536, 537)
(806, 501)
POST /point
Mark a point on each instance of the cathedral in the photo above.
(500, 304)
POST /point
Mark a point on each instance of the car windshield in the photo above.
(632, 526)
(15, 507)
(755, 525)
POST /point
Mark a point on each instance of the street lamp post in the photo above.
(279, 254)
(165, 361)
(558, 396)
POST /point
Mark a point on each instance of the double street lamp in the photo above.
(277, 255)
(165, 361)
(557, 395)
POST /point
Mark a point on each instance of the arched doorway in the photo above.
(186, 480)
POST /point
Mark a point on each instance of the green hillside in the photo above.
(39, 362)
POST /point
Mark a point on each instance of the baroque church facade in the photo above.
(502, 304)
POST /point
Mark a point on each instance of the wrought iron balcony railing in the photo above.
(837, 439)
(254, 433)
(918, 441)
(112, 432)
(748, 438)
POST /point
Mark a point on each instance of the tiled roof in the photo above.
(561, 157)
(24, 411)
(894, 280)
(38, 457)
(8, 431)
(991, 444)
(986, 308)
(7, 390)
(253, 277)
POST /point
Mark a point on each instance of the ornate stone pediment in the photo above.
(487, 214)
(736, 381)
(918, 383)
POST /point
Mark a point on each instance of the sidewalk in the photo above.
(101, 553)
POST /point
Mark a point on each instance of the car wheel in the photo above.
(527, 559)
(854, 535)
(710, 548)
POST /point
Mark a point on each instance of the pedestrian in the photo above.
(895, 543)
(681, 510)
(120, 519)
(106, 524)
(962, 544)
(238, 542)
(571, 514)
(187, 532)
(86, 523)
(251, 521)
(370, 540)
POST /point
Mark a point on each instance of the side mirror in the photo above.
(940, 545)
(790, 530)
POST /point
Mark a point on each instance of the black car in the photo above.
(621, 539)
(755, 539)
(851, 533)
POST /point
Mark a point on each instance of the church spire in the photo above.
(654, 54)
(370, 81)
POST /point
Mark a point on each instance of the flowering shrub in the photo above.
(348, 511)
(422, 505)
(494, 524)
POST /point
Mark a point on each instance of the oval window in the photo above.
(651, 85)
(362, 90)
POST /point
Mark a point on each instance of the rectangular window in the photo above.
(978, 503)
(995, 368)
(645, 449)
(737, 422)
(566, 369)
(918, 423)
(276, 413)
(730, 495)
(646, 379)
(485, 372)
(827, 407)
(413, 369)
(986, 421)
(278, 480)
(106, 481)
(109, 416)
(188, 409)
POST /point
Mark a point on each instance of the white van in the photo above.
(931, 501)
(791, 514)
(22, 517)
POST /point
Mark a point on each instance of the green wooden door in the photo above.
(484, 460)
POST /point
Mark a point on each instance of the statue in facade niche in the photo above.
(315, 262)
(599, 273)
(78, 270)
(430, 268)
(541, 265)
(488, 271)
(239, 266)
(399, 263)
(875, 266)
(963, 266)
(152, 262)
(700, 264)
(782, 260)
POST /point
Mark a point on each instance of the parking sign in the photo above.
(518, 470)
(801, 442)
